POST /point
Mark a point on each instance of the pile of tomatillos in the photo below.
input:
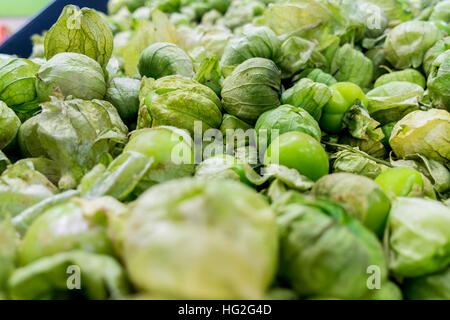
(219, 149)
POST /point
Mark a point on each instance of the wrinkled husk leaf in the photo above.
(102, 277)
(75, 134)
(423, 132)
(120, 178)
(352, 162)
(323, 251)
(284, 119)
(251, 89)
(70, 74)
(309, 95)
(360, 125)
(410, 75)
(47, 167)
(374, 43)
(255, 42)
(372, 147)
(82, 31)
(440, 47)
(363, 197)
(439, 81)
(351, 65)
(408, 42)
(228, 167)
(21, 186)
(178, 102)
(295, 54)
(392, 101)
(209, 74)
(318, 75)
(417, 237)
(289, 177)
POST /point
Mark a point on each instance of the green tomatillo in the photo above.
(171, 150)
(401, 182)
(344, 96)
(299, 151)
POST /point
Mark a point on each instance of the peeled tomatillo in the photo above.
(163, 144)
(299, 151)
(344, 96)
(401, 182)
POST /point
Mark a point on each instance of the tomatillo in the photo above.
(163, 144)
(171, 151)
(299, 151)
(63, 227)
(344, 96)
(234, 164)
(401, 182)
(363, 198)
